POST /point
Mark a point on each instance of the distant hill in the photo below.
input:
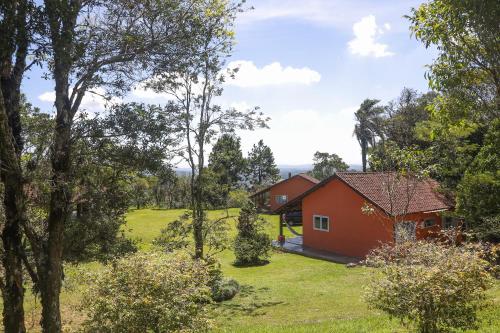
(285, 169)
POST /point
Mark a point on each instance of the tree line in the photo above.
(229, 178)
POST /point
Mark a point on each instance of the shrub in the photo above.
(435, 287)
(154, 292)
(178, 234)
(225, 289)
(237, 198)
(252, 245)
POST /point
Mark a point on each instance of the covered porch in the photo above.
(290, 218)
(295, 245)
(261, 200)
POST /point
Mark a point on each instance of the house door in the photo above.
(405, 231)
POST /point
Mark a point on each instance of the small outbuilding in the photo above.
(273, 197)
(351, 213)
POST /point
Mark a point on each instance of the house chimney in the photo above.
(289, 175)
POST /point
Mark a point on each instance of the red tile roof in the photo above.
(309, 178)
(394, 194)
(303, 175)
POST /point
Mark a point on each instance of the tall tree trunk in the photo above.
(62, 18)
(198, 215)
(363, 154)
(51, 269)
(11, 176)
(14, 42)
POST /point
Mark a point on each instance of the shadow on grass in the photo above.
(249, 301)
(256, 264)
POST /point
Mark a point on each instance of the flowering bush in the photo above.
(432, 286)
(153, 292)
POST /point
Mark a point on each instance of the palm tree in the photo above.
(368, 126)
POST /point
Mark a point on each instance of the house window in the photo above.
(321, 223)
(281, 199)
(429, 223)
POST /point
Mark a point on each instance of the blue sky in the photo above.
(308, 65)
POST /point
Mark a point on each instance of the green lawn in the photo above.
(290, 294)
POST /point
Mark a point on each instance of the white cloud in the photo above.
(92, 103)
(48, 96)
(294, 136)
(250, 75)
(366, 33)
(337, 13)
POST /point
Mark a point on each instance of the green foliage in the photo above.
(463, 128)
(478, 196)
(149, 292)
(252, 245)
(403, 115)
(326, 165)
(261, 167)
(435, 287)
(408, 161)
(368, 126)
(214, 192)
(237, 198)
(225, 289)
(227, 162)
(466, 69)
(479, 190)
(177, 234)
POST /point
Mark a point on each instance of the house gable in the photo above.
(350, 232)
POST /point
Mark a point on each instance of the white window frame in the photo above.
(321, 217)
(281, 196)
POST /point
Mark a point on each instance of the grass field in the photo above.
(291, 294)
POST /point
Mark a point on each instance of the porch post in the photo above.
(281, 226)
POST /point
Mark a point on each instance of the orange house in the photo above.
(273, 197)
(351, 213)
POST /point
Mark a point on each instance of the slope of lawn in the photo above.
(291, 294)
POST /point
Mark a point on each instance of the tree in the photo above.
(435, 287)
(261, 168)
(163, 189)
(368, 126)
(194, 88)
(478, 192)
(404, 172)
(109, 150)
(227, 162)
(326, 164)
(466, 76)
(402, 116)
(252, 244)
(149, 292)
(140, 191)
(17, 28)
(467, 67)
(87, 45)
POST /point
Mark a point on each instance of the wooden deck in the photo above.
(295, 245)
